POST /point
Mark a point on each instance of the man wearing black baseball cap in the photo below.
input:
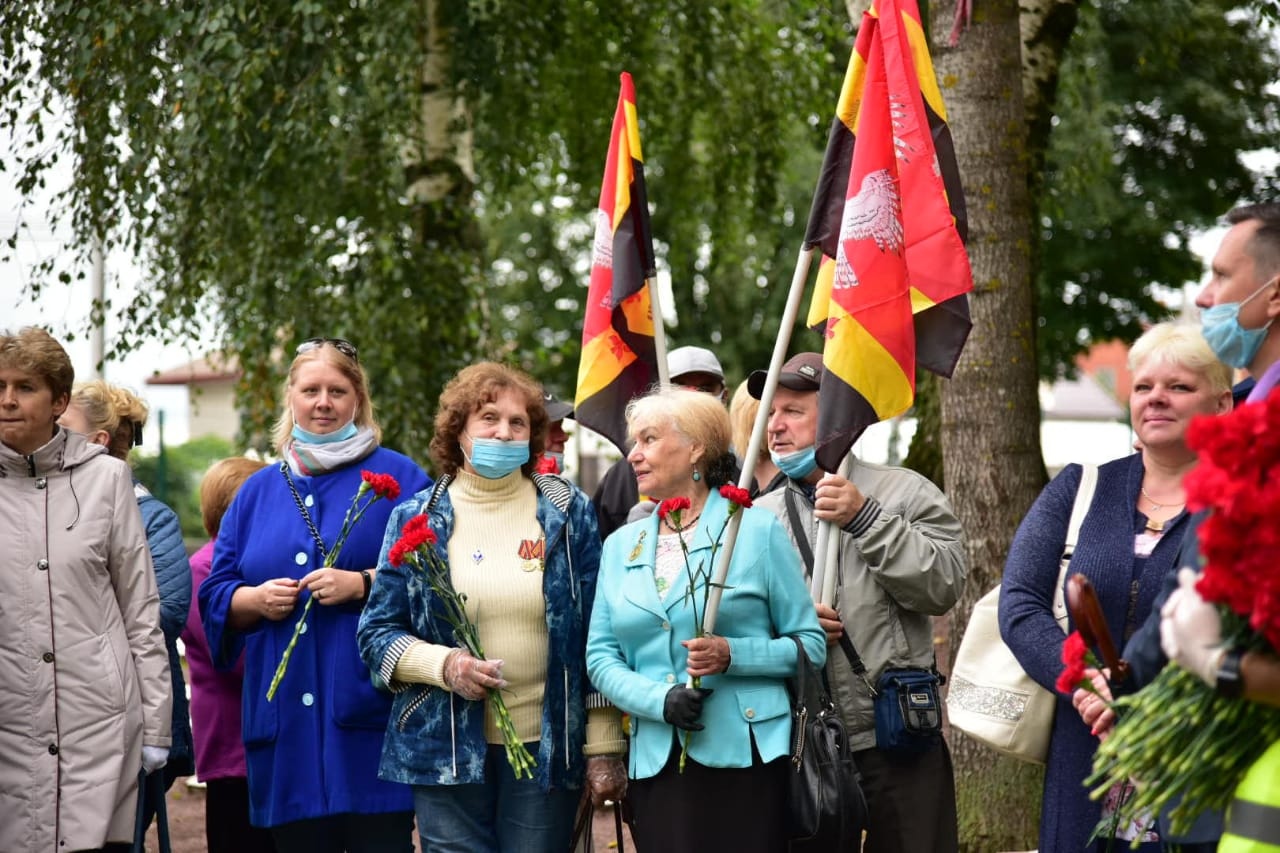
(901, 561)
(557, 411)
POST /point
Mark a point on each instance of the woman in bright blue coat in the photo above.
(312, 751)
(642, 645)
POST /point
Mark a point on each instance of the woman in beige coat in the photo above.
(84, 676)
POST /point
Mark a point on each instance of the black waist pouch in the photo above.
(908, 710)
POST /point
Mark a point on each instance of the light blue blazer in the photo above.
(634, 654)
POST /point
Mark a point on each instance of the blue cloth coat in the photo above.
(435, 737)
(173, 579)
(635, 656)
(1104, 554)
(313, 751)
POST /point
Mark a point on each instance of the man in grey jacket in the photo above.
(900, 561)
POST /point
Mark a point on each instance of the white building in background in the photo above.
(210, 384)
(1081, 422)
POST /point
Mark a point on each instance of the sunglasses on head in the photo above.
(342, 345)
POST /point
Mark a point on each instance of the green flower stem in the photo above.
(686, 734)
(355, 512)
(288, 651)
(466, 635)
(1177, 737)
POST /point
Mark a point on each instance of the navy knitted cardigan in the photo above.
(1104, 554)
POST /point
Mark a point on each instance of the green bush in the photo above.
(173, 475)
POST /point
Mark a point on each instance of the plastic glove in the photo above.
(1191, 630)
(472, 678)
(153, 758)
(683, 706)
(606, 778)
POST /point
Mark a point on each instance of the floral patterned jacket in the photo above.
(435, 737)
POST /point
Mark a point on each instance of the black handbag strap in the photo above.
(800, 534)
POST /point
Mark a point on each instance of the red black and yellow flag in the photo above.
(618, 361)
(888, 216)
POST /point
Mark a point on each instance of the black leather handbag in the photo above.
(825, 802)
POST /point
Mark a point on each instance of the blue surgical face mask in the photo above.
(1231, 342)
(799, 464)
(306, 437)
(494, 459)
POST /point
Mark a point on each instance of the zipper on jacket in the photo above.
(568, 550)
(566, 717)
(453, 737)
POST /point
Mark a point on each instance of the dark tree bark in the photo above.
(990, 410)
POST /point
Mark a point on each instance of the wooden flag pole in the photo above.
(789, 314)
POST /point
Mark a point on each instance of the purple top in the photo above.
(1268, 380)
(215, 696)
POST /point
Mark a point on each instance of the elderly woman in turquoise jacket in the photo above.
(701, 757)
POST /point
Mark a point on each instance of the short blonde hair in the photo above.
(220, 484)
(1181, 344)
(35, 351)
(116, 411)
(326, 352)
(743, 409)
(697, 417)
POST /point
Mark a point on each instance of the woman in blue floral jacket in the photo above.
(524, 550)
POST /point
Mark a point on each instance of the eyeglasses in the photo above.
(342, 345)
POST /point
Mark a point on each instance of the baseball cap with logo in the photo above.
(557, 409)
(802, 372)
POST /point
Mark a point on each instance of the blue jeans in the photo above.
(500, 815)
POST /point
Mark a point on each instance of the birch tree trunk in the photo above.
(990, 409)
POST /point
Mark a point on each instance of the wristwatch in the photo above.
(368, 583)
(1228, 682)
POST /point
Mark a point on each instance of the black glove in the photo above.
(683, 706)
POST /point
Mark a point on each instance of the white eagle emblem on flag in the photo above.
(602, 246)
(874, 212)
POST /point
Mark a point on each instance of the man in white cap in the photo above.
(617, 494)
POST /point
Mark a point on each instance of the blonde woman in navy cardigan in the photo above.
(1128, 542)
(642, 645)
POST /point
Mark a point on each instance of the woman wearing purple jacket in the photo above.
(215, 696)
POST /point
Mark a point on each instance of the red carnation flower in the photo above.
(1074, 650)
(546, 465)
(673, 505)
(383, 485)
(1069, 679)
(736, 496)
(1075, 657)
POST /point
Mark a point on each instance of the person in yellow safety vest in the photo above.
(1253, 821)
(1191, 635)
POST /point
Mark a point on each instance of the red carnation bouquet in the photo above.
(374, 487)
(700, 581)
(417, 546)
(1178, 737)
